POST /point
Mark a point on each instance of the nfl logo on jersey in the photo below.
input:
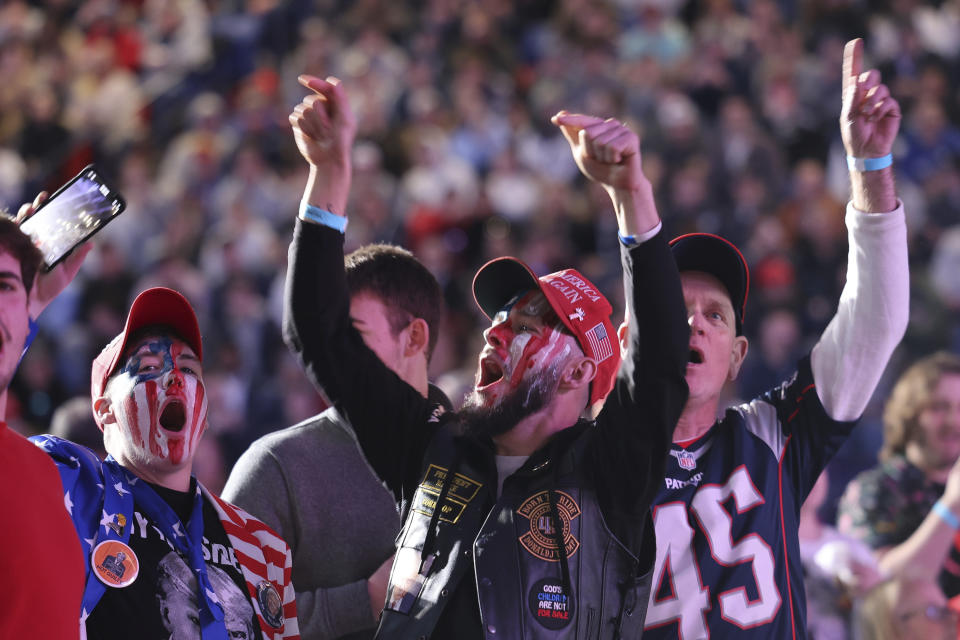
(685, 459)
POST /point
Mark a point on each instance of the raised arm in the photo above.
(871, 318)
(641, 412)
(387, 414)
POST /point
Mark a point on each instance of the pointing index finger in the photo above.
(852, 61)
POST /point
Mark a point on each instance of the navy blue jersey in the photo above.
(728, 558)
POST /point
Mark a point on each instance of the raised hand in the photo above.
(324, 128)
(323, 123)
(48, 284)
(606, 151)
(870, 117)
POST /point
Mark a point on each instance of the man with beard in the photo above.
(142, 503)
(522, 517)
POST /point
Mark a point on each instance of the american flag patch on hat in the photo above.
(599, 342)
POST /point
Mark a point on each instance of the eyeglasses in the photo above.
(932, 612)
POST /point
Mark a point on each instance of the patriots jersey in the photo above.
(726, 518)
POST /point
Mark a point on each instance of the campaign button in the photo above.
(114, 563)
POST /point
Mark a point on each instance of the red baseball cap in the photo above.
(720, 258)
(156, 306)
(577, 302)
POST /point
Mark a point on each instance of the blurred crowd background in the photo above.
(183, 106)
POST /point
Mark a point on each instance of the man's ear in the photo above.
(103, 409)
(737, 356)
(417, 338)
(578, 373)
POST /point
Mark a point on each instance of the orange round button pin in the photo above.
(115, 563)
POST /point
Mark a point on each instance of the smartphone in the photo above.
(76, 211)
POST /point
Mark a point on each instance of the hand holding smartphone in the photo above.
(76, 211)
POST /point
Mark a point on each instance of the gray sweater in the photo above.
(312, 484)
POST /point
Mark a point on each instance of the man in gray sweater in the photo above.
(311, 482)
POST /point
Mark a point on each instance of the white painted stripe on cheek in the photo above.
(551, 349)
(516, 353)
(192, 431)
(143, 415)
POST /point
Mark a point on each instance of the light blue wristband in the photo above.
(869, 164)
(946, 515)
(627, 241)
(323, 217)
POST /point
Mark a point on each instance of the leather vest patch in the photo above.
(540, 540)
(549, 605)
(461, 491)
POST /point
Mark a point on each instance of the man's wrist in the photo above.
(316, 215)
(869, 164)
(635, 209)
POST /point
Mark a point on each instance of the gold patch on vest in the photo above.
(461, 491)
(541, 540)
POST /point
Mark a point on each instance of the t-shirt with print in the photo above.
(161, 603)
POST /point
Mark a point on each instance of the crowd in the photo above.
(184, 106)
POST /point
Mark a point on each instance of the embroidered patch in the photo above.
(540, 540)
(549, 605)
(461, 491)
(114, 563)
(271, 606)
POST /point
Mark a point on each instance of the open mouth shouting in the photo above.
(173, 417)
(696, 356)
(491, 372)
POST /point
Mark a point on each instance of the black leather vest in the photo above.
(520, 584)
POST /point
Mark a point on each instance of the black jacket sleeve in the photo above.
(393, 422)
(635, 427)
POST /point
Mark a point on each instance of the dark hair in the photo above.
(910, 396)
(20, 246)
(405, 287)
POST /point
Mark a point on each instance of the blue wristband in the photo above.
(869, 164)
(946, 515)
(323, 217)
(627, 241)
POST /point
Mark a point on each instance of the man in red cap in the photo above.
(728, 555)
(153, 536)
(524, 515)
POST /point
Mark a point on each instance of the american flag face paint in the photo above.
(159, 401)
(525, 337)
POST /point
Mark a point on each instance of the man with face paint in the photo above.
(142, 504)
(727, 514)
(526, 514)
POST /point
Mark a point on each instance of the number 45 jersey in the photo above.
(726, 518)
